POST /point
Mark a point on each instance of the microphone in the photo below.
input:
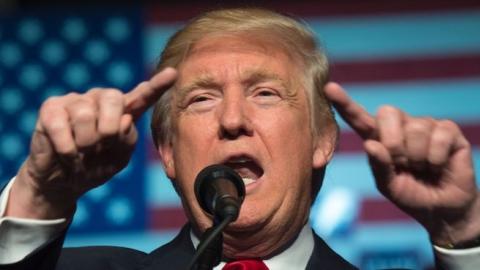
(220, 191)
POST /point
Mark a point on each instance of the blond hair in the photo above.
(293, 37)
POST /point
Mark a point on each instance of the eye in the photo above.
(265, 93)
(266, 96)
(198, 99)
(201, 101)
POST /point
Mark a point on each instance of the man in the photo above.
(249, 90)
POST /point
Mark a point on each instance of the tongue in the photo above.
(246, 173)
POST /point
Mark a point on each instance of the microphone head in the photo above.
(220, 191)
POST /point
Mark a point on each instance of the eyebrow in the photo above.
(259, 75)
(248, 78)
(202, 81)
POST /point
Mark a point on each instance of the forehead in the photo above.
(242, 55)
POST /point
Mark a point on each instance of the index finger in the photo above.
(354, 114)
(147, 93)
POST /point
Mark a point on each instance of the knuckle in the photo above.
(50, 116)
(449, 125)
(437, 157)
(86, 142)
(86, 100)
(83, 113)
(67, 150)
(51, 100)
(430, 120)
(72, 95)
(46, 113)
(51, 103)
(94, 91)
(56, 127)
(107, 131)
(112, 93)
(436, 161)
(393, 145)
(441, 137)
(112, 96)
(441, 141)
(387, 109)
(417, 126)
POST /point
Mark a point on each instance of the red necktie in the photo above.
(245, 265)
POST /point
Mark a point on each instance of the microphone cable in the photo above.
(215, 232)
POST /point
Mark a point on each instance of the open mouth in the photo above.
(246, 167)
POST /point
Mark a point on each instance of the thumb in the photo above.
(42, 155)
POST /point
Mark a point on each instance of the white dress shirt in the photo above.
(295, 256)
(20, 237)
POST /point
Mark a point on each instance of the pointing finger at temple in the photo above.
(354, 114)
(147, 93)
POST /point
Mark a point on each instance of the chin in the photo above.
(252, 215)
(245, 225)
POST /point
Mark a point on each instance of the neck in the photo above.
(261, 242)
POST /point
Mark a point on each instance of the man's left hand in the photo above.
(421, 164)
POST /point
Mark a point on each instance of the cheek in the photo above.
(193, 133)
(291, 144)
(291, 129)
(192, 145)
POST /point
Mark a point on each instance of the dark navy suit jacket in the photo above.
(174, 255)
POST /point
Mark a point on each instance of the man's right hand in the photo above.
(80, 141)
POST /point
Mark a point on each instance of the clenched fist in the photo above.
(80, 141)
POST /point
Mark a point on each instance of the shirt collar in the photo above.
(296, 256)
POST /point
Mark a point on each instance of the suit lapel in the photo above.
(174, 255)
(323, 257)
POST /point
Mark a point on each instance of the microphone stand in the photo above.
(220, 192)
(213, 253)
(209, 250)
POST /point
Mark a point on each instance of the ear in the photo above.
(323, 147)
(166, 155)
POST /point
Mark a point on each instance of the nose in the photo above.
(234, 118)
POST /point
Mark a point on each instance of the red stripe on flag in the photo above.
(380, 210)
(453, 66)
(472, 133)
(167, 218)
(158, 13)
(351, 142)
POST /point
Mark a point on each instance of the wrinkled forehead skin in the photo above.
(248, 44)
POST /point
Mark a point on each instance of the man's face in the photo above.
(241, 103)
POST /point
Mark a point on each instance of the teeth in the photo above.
(247, 181)
(241, 160)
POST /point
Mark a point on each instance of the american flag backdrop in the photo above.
(421, 56)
